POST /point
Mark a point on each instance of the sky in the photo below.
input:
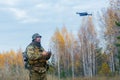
(20, 19)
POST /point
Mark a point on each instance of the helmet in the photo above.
(35, 36)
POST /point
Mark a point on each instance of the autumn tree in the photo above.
(88, 43)
(108, 19)
(63, 47)
(11, 65)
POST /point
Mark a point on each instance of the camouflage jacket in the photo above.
(35, 53)
(36, 59)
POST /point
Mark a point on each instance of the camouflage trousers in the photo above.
(38, 72)
(37, 76)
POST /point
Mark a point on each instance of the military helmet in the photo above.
(35, 36)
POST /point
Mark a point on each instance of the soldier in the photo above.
(37, 58)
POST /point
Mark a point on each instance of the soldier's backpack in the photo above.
(25, 59)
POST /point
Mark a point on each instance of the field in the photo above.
(24, 75)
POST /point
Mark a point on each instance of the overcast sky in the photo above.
(20, 19)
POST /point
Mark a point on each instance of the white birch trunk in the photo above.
(58, 57)
(72, 60)
(93, 57)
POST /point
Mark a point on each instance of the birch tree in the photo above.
(87, 38)
(110, 16)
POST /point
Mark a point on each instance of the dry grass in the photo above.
(24, 75)
(86, 78)
(14, 75)
(99, 78)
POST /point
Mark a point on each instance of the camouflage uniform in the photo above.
(37, 63)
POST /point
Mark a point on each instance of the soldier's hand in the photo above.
(44, 53)
(49, 55)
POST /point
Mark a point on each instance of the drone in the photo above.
(83, 14)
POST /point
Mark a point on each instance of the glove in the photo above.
(48, 55)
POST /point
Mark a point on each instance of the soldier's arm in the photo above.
(32, 55)
(46, 55)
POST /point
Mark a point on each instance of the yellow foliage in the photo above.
(105, 70)
(11, 58)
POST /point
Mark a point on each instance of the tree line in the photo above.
(81, 54)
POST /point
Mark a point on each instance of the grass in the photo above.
(24, 75)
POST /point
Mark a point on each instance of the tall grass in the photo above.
(13, 75)
(23, 74)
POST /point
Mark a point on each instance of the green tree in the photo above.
(118, 45)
